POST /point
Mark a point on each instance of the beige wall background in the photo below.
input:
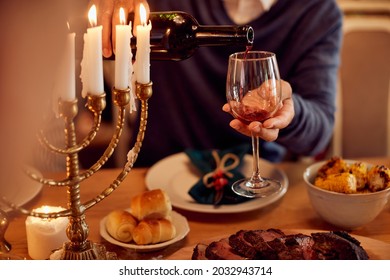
(363, 114)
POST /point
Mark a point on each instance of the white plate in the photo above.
(176, 175)
(182, 229)
(22, 191)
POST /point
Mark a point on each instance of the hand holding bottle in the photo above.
(108, 17)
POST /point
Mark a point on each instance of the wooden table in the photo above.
(292, 212)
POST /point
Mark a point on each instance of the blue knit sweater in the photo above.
(185, 109)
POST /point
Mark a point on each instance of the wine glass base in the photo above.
(249, 188)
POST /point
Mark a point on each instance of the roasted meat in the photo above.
(273, 244)
(245, 241)
(199, 252)
(337, 245)
(291, 247)
(221, 250)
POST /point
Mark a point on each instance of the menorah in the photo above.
(79, 247)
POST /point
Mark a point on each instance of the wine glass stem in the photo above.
(256, 160)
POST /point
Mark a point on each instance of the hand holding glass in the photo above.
(253, 91)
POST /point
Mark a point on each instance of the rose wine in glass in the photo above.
(253, 92)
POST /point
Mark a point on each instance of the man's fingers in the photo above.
(104, 16)
(283, 116)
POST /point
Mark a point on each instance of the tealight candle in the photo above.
(142, 57)
(45, 235)
(123, 56)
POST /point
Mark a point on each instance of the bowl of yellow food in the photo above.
(347, 193)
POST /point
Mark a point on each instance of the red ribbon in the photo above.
(218, 177)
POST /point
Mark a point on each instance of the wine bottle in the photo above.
(176, 35)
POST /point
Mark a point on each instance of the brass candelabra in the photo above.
(79, 247)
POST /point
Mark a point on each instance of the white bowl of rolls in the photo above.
(347, 193)
(147, 221)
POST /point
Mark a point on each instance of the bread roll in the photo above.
(154, 231)
(154, 204)
(120, 224)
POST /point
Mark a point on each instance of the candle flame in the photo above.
(142, 12)
(67, 23)
(46, 209)
(92, 16)
(122, 17)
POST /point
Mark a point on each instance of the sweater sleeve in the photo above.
(313, 77)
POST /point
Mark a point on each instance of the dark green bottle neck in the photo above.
(224, 35)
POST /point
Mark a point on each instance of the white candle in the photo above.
(67, 82)
(71, 91)
(45, 235)
(92, 64)
(142, 57)
(123, 56)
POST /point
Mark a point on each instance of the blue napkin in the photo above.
(219, 169)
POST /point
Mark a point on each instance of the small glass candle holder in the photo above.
(45, 235)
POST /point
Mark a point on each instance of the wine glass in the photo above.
(253, 92)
